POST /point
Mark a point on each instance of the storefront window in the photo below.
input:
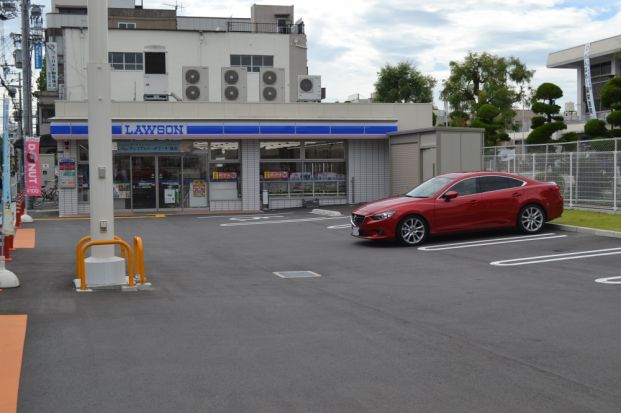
(224, 151)
(280, 150)
(83, 176)
(324, 150)
(121, 183)
(195, 181)
(320, 172)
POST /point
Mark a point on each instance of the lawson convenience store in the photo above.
(216, 156)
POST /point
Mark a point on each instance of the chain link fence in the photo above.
(588, 172)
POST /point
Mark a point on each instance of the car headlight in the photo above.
(383, 215)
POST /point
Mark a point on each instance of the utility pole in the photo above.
(27, 69)
(102, 267)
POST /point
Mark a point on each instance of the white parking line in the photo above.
(342, 226)
(609, 280)
(557, 257)
(245, 216)
(282, 221)
(484, 242)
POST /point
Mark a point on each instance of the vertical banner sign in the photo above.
(51, 75)
(67, 177)
(38, 55)
(33, 166)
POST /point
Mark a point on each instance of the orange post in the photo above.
(89, 244)
(7, 249)
(83, 241)
(139, 259)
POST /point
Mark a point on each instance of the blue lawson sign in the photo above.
(38, 55)
(215, 129)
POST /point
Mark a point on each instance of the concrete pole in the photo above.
(102, 268)
(26, 68)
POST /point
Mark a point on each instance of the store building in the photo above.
(213, 113)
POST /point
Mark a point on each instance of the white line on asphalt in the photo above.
(339, 226)
(238, 216)
(558, 257)
(484, 242)
(609, 280)
(282, 221)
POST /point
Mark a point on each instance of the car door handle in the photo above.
(474, 201)
(517, 195)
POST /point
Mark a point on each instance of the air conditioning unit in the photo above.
(272, 85)
(309, 88)
(195, 85)
(234, 84)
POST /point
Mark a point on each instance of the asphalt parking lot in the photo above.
(490, 322)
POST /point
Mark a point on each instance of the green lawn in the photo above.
(590, 220)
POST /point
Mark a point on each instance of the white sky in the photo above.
(350, 40)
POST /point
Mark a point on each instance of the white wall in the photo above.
(182, 48)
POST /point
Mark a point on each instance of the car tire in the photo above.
(531, 219)
(412, 230)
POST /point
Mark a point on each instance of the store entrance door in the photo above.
(143, 182)
(169, 173)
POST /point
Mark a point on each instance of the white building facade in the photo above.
(213, 114)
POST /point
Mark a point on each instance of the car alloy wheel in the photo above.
(532, 218)
(412, 230)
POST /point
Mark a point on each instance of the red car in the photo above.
(459, 202)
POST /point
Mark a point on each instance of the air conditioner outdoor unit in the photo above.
(272, 85)
(195, 86)
(234, 84)
(309, 88)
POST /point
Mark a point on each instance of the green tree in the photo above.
(403, 83)
(549, 121)
(488, 118)
(42, 79)
(611, 98)
(596, 128)
(487, 79)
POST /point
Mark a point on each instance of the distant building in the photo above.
(605, 64)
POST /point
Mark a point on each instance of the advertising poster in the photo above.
(170, 196)
(67, 176)
(198, 193)
(33, 166)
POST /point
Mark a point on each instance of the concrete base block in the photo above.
(103, 272)
(27, 218)
(8, 279)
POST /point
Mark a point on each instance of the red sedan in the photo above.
(460, 202)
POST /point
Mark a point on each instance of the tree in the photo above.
(596, 128)
(487, 79)
(550, 122)
(611, 98)
(403, 83)
(487, 117)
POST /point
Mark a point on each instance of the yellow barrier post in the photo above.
(88, 244)
(139, 259)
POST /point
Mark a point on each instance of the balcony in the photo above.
(247, 27)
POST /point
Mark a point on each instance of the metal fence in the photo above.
(588, 172)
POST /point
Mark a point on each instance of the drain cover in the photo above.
(296, 274)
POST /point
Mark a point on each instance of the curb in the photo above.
(326, 212)
(584, 230)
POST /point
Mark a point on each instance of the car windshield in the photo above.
(429, 188)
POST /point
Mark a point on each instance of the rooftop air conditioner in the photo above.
(272, 85)
(195, 83)
(309, 88)
(234, 84)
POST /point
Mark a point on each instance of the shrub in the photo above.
(595, 128)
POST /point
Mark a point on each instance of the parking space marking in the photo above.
(609, 280)
(341, 226)
(245, 216)
(281, 221)
(493, 241)
(557, 257)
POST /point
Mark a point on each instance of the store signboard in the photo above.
(33, 166)
(67, 177)
(147, 146)
(275, 175)
(51, 66)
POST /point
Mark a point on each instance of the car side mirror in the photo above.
(450, 195)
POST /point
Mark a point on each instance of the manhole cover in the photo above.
(296, 274)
